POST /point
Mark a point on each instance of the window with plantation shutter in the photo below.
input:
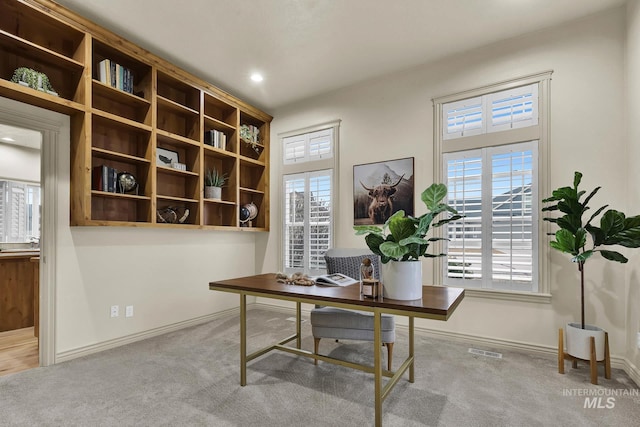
(492, 146)
(494, 245)
(307, 227)
(308, 146)
(308, 193)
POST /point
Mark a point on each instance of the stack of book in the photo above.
(104, 178)
(216, 139)
(115, 75)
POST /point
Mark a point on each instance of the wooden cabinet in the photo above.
(17, 297)
(157, 129)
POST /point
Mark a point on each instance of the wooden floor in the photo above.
(18, 351)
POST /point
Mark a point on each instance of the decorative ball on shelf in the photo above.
(126, 182)
(248, 213)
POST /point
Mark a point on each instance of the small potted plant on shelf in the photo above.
(213, 183)
(402, 241)
(582, 240)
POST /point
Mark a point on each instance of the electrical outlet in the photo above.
(115, 311)
(128, 311)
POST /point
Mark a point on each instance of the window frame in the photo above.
(539, 132)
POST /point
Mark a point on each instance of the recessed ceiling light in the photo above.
(257, 77)
(8, 139)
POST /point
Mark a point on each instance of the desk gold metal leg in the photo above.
(377, 366)
(243, 339)
(411, 353)
(298, 327)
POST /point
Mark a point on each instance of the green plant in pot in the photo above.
(402, 241)
(584, 239)
(213, 183)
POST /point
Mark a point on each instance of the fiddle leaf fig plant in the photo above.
(403, 237)
(574, 232)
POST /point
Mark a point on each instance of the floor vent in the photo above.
(485, 353)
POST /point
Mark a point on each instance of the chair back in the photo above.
(347, 261)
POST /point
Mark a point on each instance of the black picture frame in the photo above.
(390, 183)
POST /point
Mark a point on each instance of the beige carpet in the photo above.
(191, 378)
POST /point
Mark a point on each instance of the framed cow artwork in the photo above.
(381, 189)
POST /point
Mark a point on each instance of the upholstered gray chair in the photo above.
(338, 323)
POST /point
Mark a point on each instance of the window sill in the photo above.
(508, 295)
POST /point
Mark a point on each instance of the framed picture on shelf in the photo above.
(166, 157)
(380, 189)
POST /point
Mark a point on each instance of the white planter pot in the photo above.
(402, 280)
(578, 343)
(213, 192)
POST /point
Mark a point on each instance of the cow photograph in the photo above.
(381, 189)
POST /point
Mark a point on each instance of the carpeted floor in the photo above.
(191, 378)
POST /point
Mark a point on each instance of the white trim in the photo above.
(129, 339)
(55, 129)
(309, 129)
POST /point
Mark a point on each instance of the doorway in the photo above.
(54, 129)
(20, 210)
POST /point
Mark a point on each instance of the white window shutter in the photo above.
(294, 148)
(513, 108)
(320, 144)
(463, 118)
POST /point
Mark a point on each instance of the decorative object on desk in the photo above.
(172, 215)
(213, 183)
(295, 279)
(572, 238)
(33, 79)
(369, 285)
(248, 213)
(381, 189)
(401, 243)
(126, 183)
(166, 157)
(250, 135)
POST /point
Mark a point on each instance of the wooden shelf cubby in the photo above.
(165, 108)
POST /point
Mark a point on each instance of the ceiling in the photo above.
(308, 47)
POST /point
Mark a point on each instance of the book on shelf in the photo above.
(335, 279)
(215, 138)
(115, 75)
(103, 178)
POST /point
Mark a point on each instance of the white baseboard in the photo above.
(633, 371)
(117, 342)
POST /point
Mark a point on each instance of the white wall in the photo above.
(19, 163)
(632, 291)
(392, 117)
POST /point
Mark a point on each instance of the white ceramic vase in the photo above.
(213, 192)
(578, 343)
(402, 280)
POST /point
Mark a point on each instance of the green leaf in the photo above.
(373, 242)
(433, 195)
(401, 228)
(565, 242)
(570, 222)
(582, 257)
(393, 250)
(413, 239)
(577, 177)
(364, 229)
(612, 222)
(614, 256)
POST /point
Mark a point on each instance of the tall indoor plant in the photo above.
(402, 241)
(583, 239)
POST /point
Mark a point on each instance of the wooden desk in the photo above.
(437, 303)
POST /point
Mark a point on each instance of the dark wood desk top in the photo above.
(437, 301)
